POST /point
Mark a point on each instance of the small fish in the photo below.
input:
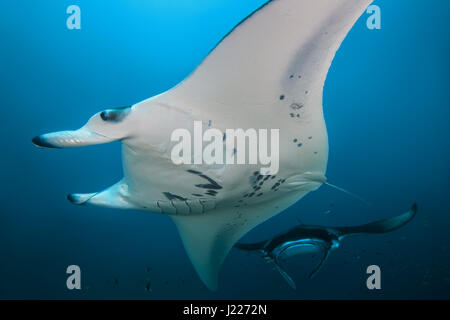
(148, 287)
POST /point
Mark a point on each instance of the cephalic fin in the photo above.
(285, 275)
(113, 197)
(319, 266)
(70, 139)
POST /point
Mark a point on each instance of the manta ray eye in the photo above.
(115, 115)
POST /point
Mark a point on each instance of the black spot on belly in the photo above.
(193, 172)
(282, 97)
(296, 106)
(211, 185)
(211, 193)
(299, 145)
(208, 186)
(217, 186)
(171, 196)
(291, 76)
(309, 138)
(295, 140)
(197, 195)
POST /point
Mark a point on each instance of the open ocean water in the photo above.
(386, 105)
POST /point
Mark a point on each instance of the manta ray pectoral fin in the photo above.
(205, 243)
(209, 237)
(113, 197)
(68, 139)
(380, 226)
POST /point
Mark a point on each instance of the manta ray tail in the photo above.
(351, 194)
(381, 226)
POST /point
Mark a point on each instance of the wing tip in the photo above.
(41, 142)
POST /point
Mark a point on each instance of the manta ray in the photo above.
(304, 239)
(268, 72)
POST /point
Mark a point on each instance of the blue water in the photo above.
(386, 103)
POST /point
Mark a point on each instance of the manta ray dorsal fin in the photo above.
(280, 52)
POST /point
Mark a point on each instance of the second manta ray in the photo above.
(305, 239)
(267, 73)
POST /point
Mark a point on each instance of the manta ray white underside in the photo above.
(268, 72)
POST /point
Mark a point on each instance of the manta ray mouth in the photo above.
(41, 142)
